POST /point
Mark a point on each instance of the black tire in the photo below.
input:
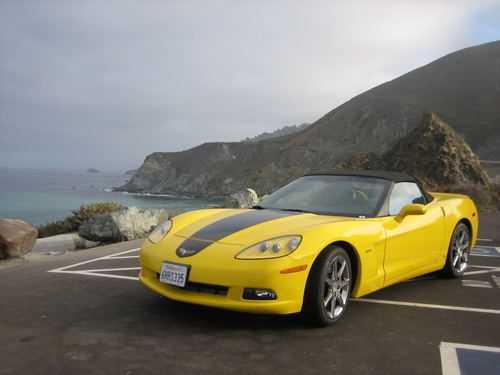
(458, 252)
(323, 284)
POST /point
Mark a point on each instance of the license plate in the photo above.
(174, 274)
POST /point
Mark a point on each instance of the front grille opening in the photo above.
(202, 288)
(206, 288)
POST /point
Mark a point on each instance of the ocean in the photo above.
(38, 196)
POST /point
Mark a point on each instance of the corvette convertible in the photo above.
(311, 246)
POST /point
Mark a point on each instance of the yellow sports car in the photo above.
(311, 245)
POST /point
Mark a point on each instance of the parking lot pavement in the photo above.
(85, 312)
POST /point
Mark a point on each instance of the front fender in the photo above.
(365, 237)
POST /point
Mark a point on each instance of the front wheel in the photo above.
(328, 288)
(458, 252)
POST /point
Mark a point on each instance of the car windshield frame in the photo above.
(385, 185)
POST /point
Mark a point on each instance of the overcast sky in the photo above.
(104, 83)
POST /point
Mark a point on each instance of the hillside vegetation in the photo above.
(286, 130)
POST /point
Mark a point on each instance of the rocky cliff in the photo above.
(461, 88)
(432, 152)
(218, 169)
(440, 158)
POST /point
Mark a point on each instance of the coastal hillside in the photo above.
(461, 88)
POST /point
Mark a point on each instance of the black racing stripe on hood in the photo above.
(227, 226)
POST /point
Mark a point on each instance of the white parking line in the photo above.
(425, 305)
(113, 269)
(492, 269)
(486, 251)
(477, 284)
(121, 255)
(485, 239)
(98, 272)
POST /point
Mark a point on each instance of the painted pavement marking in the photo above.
(477, 284)
(110, 273)
(485, 251)
(473, 283)
(489, 269)
(459, 359)
(428, 306)
(98, 271)
(496, 279)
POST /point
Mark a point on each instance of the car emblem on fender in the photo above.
(184, 252)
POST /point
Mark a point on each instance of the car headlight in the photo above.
(273, 248)
(160, 232)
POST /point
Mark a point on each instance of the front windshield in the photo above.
(330, 195)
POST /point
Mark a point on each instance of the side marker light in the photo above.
(294, 269)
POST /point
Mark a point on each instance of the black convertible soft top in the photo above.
(386, 175)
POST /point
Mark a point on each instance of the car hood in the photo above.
(248, 226)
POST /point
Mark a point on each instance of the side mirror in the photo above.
(412, 209)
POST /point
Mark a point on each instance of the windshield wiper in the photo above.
(257, 207)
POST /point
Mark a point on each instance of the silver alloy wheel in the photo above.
(460, 249)
(337, 287)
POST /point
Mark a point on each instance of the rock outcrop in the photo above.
(246, 198)
(125, 224)
(62, 242)
(432, 152)
(16, 238)
(438, 157)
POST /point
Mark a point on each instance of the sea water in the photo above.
(38, 196)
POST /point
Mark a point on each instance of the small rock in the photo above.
(246, 198)
(62, 242)
(125, 224)
(16, 238)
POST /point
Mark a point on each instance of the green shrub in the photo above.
(71, 223)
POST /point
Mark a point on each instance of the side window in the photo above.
(402, 194)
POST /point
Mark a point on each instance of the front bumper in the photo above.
(216, 266)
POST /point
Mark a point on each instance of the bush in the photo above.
(71, 223)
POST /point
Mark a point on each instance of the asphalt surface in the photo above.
(83, 319)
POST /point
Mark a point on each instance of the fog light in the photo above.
(259, 294)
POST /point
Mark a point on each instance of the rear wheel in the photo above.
(458, 252)
(328, 288)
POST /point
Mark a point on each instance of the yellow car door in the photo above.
(414, 232)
